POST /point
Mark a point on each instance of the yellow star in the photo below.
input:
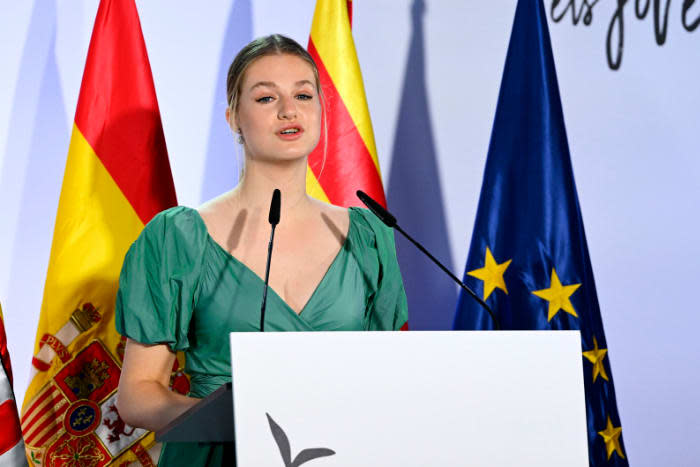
(611, 437)
(558, 296)
(596, 357)
(491, 274)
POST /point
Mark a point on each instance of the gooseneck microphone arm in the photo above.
(388, 219)
(274, 218)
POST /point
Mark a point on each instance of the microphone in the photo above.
(274, 219)
(378, 210)
(387, 218)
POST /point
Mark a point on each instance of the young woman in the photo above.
(194, 276)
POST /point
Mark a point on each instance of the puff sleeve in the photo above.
(387, 307)
(159, 281)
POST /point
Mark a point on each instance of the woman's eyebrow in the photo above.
(271, 84)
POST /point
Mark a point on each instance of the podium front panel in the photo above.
(478, 398)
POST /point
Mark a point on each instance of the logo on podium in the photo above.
(286, 451)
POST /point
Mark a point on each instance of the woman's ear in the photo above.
(233, 124)
(229, 121)
(232, 121)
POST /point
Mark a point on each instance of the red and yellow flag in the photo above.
(345, 161)
(117, 178)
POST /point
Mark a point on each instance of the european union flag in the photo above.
(528, 256)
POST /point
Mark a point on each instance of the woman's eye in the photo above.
(304, 97)
(264, 99)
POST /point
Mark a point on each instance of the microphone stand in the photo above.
(274, 218)
(388, 219)
(454, 278)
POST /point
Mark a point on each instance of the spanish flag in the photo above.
(117, 177)
(345, 160)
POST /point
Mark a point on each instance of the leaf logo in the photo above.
(285, 450)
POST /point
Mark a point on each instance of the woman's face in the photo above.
(279, 110)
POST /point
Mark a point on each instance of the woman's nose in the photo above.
(287, 108)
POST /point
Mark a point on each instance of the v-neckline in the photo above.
(246, 268)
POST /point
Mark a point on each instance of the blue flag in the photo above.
(528, 256)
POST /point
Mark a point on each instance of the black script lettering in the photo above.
(660, 31)
(586, 10)
(641, 13)
(694, 25)
(615, 41)
(617, 21)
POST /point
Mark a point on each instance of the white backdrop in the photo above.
(633, 135)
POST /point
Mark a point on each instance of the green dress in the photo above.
(179, 287)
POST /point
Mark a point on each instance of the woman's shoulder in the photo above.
(178, 216)
(179, 224)
(369, 225)
(174, 214)
(335, 218)
(219, 216)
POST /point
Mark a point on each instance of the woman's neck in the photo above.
(260, 179)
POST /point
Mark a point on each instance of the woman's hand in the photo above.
(144, 399)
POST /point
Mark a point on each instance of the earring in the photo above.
(240, 136)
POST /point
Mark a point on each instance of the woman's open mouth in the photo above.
(290, 132)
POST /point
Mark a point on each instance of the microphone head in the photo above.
(377, 209)
(274, 216)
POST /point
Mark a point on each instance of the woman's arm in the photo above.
(144, 399)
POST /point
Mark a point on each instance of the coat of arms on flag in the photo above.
(75, 415)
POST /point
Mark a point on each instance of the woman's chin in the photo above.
(284, 157)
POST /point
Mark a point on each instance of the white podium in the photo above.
(463, 398)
